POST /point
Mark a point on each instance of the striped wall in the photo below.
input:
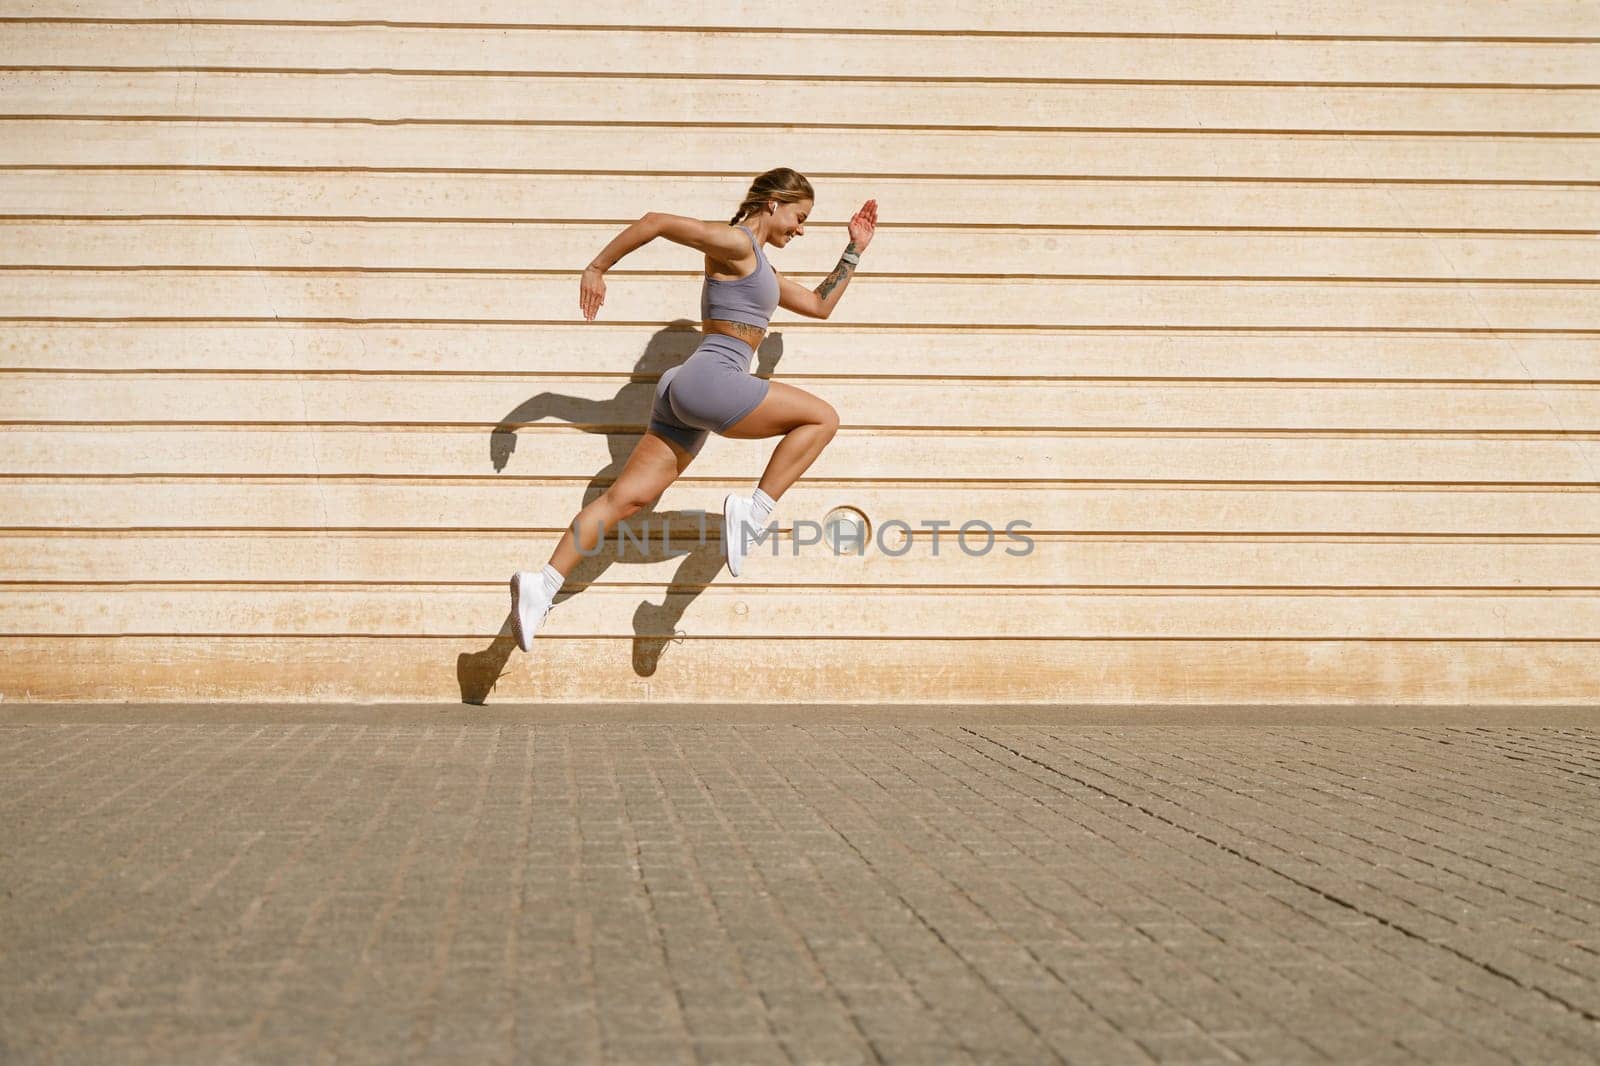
(1278, 323)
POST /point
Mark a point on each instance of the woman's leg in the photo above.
(807, 424)
(655, 463)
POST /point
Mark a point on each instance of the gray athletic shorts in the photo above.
(707, 393)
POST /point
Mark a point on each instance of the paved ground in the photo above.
(214, 885)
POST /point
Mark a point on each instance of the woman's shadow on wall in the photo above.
(681, 534)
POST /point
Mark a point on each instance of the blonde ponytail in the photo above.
(782, 184)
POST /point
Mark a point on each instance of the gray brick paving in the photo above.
(213, 889)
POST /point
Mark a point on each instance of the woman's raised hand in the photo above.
(591, 293)
(863, 223)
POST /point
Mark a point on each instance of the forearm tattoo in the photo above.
(840, 272)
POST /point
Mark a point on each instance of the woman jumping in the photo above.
(713, 390)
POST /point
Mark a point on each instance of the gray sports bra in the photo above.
(749, 299)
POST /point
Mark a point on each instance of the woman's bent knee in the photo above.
(624, 504)
(830, 418)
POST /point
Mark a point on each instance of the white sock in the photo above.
(552, 580)
(761, 506)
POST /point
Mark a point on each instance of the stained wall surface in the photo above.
(1274, 326)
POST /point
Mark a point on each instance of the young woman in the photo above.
(713, 390)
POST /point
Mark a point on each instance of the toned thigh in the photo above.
(653, 465)
(785, 407)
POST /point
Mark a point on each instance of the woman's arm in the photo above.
(717, 240)
(820, 302)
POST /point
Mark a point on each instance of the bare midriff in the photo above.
(751, 335)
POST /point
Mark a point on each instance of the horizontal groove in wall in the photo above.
(988, 432)
(346, 477)
(545, 638)
(687, 328)
(1330, 432)
(317, 533)
(981, 279)
(110, 218)
(907, 127)
(1141, 484)
(721, 76)
(1321, 536)
(1235, 83)
(817, 31)
(645, 377)
(1537, 591)
(983, 176)
(535, 377)
(943, 327)
(635, 428)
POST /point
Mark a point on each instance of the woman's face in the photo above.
(789, 222)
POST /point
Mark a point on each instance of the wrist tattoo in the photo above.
(833, 280)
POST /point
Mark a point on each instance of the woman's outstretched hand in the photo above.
(863, 223)
(591, 293)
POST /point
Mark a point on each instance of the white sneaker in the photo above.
(737, 525)
(530, 604)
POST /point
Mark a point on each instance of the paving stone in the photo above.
(221, 891)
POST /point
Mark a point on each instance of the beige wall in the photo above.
(1279, 322)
